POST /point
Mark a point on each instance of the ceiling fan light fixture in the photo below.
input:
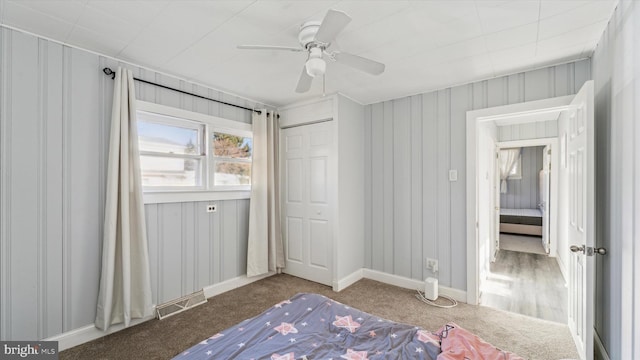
(315, 67)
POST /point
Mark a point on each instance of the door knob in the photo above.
(576, 248)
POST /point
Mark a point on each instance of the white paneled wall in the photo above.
(523, 193)
(55, 106)
(413, 211)
(534, 130)
(616, 74)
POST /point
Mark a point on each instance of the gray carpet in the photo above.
(162, 339)
(522, 243)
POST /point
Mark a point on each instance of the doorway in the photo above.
(574, 214)
(523, 273)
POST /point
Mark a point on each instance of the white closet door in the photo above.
(307, 182)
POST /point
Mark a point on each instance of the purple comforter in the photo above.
(311, 326)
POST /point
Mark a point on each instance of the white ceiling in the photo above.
(426, 45)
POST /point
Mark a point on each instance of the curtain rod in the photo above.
(108, 71)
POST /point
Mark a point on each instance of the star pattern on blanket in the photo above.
(279, 305)
(355, 355)
(346, 322)
(372, 333)
(289, 356)
(286, 328)
(218, 335)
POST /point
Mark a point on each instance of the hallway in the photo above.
(528, 284)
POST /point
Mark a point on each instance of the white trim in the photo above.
(217, 122)
(234, 283)
(162, 197)
(348, 280)
(412, 284)
(600, 351)
(88, 333)
(563, 270)
(474, 118)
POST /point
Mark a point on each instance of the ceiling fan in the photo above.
(315, 37)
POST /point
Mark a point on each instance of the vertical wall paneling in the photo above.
(229, 240)
(24, 184)
(202, 246)
(5, 186)
(368, 206)
(52, 177)
(151, 219)
(171, 249)
(443, 214)
(188, 245)
(377, 186)
(83, 180)
(388, 217)
(242, 217)
(55, 112)
(415, 165)
(429, 179)
(415, 191)
(461, 101)
(402, 186)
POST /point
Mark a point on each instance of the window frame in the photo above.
(212, 124)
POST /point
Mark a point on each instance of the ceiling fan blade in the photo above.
(304, 83)
(331, 25)
(269, 47)
(360, 63)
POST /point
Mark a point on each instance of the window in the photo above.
(186, 151)
(516, 172)
(171, 152)
(232, 159)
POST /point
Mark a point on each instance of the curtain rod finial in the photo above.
(108, 71)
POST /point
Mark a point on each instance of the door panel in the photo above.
(294, 180)
(318, 233)
(581, 226)
(306, 175)
(294, 239)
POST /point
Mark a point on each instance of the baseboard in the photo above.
(88, 333)
(600, 351)
(412, 284)
(228, 285)
(347, 281)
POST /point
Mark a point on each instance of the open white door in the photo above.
(545, 195)
(581, 226)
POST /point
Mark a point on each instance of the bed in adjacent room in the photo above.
(521, 221)
(311, 326)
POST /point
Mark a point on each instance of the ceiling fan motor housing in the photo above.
(308, 32)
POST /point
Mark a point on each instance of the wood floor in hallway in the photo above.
(528, 284)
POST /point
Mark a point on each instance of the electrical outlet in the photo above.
(432, 264)
(211, 208)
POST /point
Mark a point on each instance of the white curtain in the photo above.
(125, 285)
(508, 159)
(265, 251)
